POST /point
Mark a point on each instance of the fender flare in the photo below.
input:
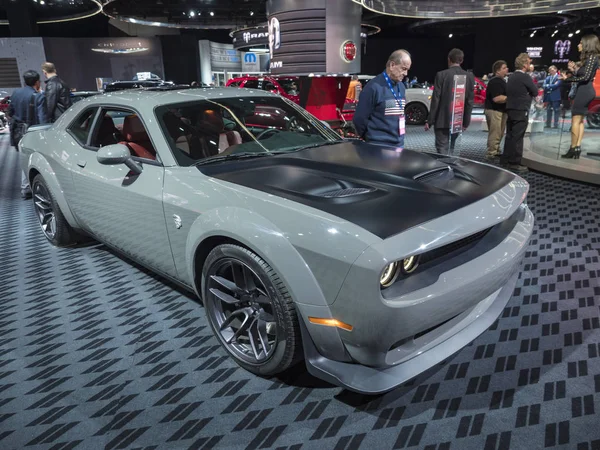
(261, 236)
(271, 244)
(40, 164)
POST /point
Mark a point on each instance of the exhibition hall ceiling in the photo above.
(443, 9)
(52, 11)
(202, 14)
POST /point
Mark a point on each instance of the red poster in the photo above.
(458, 103)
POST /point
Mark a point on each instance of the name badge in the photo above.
(402, 127)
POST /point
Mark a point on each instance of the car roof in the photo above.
(149, 98)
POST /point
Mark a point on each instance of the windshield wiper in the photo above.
(320, 144)
(231, 157)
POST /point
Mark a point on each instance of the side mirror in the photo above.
(114, 154)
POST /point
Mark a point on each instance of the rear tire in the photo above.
(239, 286)
(54, 225)
(416, 114)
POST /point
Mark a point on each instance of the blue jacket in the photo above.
(552, 89)
(377, 115)
(19, 106)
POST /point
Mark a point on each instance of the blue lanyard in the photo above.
(394, 93)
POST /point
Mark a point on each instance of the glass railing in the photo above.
(551, 138)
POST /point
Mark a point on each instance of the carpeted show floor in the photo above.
(98, 353)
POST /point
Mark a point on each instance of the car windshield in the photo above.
(209, 131)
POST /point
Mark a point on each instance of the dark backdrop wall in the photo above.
(79, 63)
(428, 55)
(180, 53)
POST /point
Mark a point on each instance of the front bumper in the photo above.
(373, 380)
(423, 319)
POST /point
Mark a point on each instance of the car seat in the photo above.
(211, 122)
(107, 133)
(137, 139)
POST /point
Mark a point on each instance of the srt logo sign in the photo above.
(274, 35)
(562, 48)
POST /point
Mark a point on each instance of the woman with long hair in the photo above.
(589, 48)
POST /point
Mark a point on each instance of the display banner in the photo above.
(458, 103)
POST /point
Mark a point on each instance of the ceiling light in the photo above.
(578, 31)
(251, 13)
(212, 13)
(450, 35)
(570, 34)
(192, 13)
(42, 2)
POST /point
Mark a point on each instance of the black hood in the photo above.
(384, 190)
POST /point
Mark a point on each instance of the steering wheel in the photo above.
(266, 132)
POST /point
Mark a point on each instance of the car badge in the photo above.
(177, 221)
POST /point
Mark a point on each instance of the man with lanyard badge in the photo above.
(379, 116)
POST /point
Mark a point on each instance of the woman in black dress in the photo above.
(589, 48)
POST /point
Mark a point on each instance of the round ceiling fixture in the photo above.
(348, 51)
(49, 11)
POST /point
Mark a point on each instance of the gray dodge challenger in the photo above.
(370, 263)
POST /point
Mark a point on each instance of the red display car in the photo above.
(322, 96)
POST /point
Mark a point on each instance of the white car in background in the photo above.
(418, 102)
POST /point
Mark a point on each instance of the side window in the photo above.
(81, 127)
(251, 84)
(234, 84)
(121, 126)
(268, 86)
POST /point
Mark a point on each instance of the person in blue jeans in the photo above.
(27, 105)
(552, 96)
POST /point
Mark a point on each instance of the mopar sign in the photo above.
(250, 62)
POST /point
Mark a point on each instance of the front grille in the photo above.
(346, 192)
(452, 247)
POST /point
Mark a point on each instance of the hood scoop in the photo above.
(442, 173)
(348, 192)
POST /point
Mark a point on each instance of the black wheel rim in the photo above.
(414, 114)
(241, 311)
(44, 210)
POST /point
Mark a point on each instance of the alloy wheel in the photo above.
(242, 311)
(44, 210)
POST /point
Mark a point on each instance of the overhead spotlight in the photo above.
(212, 13)
(531, 35)
(578, 31)
(251, 13)
(192, 13)
(450, 35)
(42, 2)
(570, 34)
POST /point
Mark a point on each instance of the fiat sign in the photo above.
(348, 51)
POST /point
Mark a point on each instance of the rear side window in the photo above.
(251, 84)
(81, 127)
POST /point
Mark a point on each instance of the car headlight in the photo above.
(393, 270)
(389, 274)
(410, 264)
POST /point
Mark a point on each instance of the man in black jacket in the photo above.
(58, 94)
(520, 91)
(27, 106)
(440, 115)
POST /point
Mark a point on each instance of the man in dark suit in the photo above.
(27, 106)
(552, 96)
(520, 91)
(440, 114)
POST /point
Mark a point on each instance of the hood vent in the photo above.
(434, 174)
(348, 192)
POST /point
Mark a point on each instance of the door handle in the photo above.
(81, 163)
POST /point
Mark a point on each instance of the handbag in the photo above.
(20, 128)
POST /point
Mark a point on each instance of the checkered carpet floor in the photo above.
(98, 353)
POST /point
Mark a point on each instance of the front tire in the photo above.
(54, 225)
(250, 310)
